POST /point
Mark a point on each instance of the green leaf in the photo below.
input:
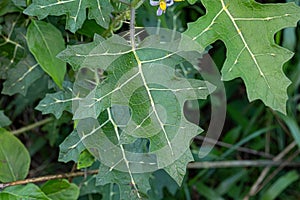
(55, 128)
(192, 1)
(247, 28)
(71, 148)
(160, 180)
(55, 103)
(29, 191)
(13, 46)
(128, 189)
(7, 6)
(22, 76)
(280, 185)
(60, 190)
(45, 42)
(14, 158)
(75, 11)
(86, 159)
(131, 97)
(4, 120)
(21, 3)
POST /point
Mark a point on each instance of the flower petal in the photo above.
(154, 3)
(169, 2)
(159, 12)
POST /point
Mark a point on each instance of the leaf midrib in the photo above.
(8, 163)
(44, 40)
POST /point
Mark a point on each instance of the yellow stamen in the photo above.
(163, 5)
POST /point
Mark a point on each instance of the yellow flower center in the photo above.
(163, 5)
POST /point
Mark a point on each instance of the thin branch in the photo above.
(275, 172)
(32, 126)
(47, 178)
(264, 173)
(195, 165)
(239, 163)
(241, 149)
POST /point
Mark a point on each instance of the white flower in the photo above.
(162, 5)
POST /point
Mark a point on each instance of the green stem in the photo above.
(32, 126)
(240, 163)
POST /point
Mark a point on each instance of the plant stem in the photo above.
(47, 178)
(240, 163)
(195, 165)
(132, 27)
(32, 126)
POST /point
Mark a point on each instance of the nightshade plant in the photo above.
(125, 89)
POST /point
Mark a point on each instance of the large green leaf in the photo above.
(247, 28)
(60, 190)
(29, 191)
(14, 158)
(129, 97)
(75, 10)
(45, 42)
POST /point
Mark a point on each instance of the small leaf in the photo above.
(55, 103)
(60, 190)
(86, 159)
(21, 3)
(159, 182)
(192, 1)
(14, 158)
(7, 6)
(71, 148)
(22, 76)
(4, 120)
(45, 42)
(13, 46)
(29, 191)
(128, 189)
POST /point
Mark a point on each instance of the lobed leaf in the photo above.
(57, 103)
(131, 97)
(75, 10)
(70, 148)
(247, 28)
